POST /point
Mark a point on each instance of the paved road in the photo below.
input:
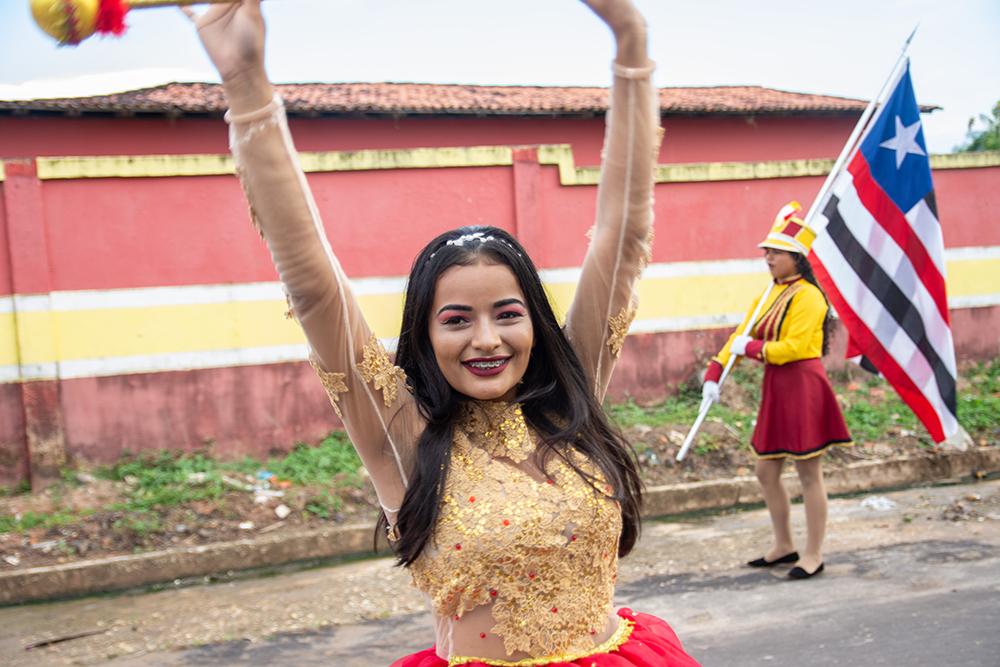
(915, 585)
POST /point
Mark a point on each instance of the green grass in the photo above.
(29, 520)
(985, 377)
(325, 505)
(682, 409)
(138, 523)
(24, 486)
(334, 459)
(980, 415)
(868, 419)
(162, 480)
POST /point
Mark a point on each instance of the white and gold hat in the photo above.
(789, 232)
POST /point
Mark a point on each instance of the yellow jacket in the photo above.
(789, 328)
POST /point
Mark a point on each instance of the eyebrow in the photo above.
(497, 304)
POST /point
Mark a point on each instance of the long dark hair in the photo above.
(804, 268)
(555, 394)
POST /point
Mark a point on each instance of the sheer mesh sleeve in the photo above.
(605, 302)
(364, 387)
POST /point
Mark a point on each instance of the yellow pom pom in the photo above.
(69, 21)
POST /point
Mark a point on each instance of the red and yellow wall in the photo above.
(139, 310)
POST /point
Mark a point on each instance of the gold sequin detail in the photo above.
(333, 383)
(619, 325)
(647, 254)
(501, 429)
(542, 552)
(254, 220)
(621, 635)
(379, 370)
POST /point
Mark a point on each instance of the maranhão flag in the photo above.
(879, 255)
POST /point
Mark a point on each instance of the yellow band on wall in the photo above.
(559, 155)
(669, 300)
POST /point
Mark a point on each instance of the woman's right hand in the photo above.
(233, 37)
(709, 394)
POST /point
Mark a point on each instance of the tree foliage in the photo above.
(988, 137)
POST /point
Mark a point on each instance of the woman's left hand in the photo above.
(620, 15)
(628, 26)
(739, 345)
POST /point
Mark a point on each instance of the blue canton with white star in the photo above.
(895, 150)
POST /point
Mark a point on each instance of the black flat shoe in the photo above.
(799, 573)
(764, 562)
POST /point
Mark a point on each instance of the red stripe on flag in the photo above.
(895, 224)
(874, 350)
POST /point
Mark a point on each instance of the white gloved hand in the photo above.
(709, 394)
(739, 345)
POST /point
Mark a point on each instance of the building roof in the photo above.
(441, 99)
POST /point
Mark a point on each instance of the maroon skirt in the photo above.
(650, 643)
(799, 416)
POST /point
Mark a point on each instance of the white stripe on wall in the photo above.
(182, 361)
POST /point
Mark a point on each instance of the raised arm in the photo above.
(605, 304)
(366, 390)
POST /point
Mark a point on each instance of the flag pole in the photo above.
(849, 147)
(729, 366)
(859, 128)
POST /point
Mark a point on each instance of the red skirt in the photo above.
(652, 643)
(799, 416)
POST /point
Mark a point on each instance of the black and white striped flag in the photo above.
(879, 255)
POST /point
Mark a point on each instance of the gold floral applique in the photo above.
(647, 253)
(333, 383)
(380, 371)
(542, 553)
(619, 325)
(501, 429)
(254, 220)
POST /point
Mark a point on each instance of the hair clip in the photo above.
(475, 236)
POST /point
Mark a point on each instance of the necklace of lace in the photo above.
(502, 427)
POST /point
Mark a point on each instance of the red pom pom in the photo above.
(111, 17)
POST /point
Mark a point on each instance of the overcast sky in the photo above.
(842, 47)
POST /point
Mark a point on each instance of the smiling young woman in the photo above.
(504, 488)
(481, 330)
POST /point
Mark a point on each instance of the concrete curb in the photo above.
(123, 572)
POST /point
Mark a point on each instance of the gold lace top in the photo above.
(542, 550)
(542, 581)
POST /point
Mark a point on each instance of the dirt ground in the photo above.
(722, 452)
(913, 544)
(238, 514)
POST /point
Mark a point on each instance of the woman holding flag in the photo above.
(799, 417)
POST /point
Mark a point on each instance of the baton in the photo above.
(729, 366)
(72, 21)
